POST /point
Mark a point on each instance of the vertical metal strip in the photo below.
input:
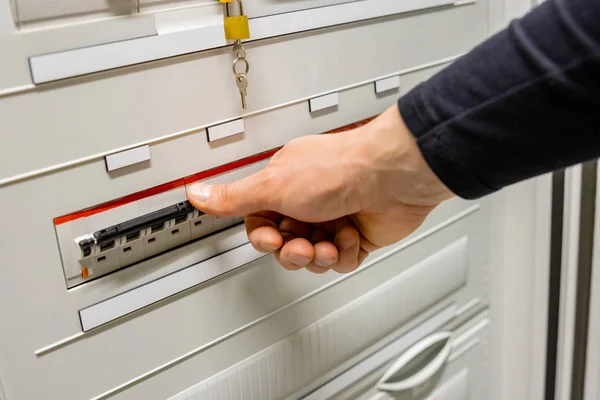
(584, 278)
(556, 239)
(592, 365)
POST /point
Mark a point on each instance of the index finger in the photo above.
(263, 231)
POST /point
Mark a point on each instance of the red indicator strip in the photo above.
(185, 181)
(165, 187)
(352, 126)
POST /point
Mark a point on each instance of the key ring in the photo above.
(238, 60)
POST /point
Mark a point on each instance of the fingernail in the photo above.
(200, 191)
(298, 260)
(324, 263)
(269, 247)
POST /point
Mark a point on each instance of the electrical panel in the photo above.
(113, 286)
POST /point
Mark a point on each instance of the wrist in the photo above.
(389, 161)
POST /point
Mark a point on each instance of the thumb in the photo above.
(240, 198)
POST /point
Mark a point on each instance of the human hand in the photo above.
(326, 201)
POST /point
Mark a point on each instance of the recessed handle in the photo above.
(417, 364)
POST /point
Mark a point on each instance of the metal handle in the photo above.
(425, 372)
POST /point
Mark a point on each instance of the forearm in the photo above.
(525, 102)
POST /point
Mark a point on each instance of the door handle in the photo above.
(417, 364)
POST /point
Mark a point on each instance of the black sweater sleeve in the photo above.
(524, 102)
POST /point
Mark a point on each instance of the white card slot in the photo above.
(321, 17)
(387, 84)
(135, 299)
(225, 130)
(87, 60)
(127, 158)
(324, 102)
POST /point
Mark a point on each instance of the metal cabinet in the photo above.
(146, 88)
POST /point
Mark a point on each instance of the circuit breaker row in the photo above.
(144, 237)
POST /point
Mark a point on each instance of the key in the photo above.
(242, 84)
(238, 50)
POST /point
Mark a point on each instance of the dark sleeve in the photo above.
(524, 102)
